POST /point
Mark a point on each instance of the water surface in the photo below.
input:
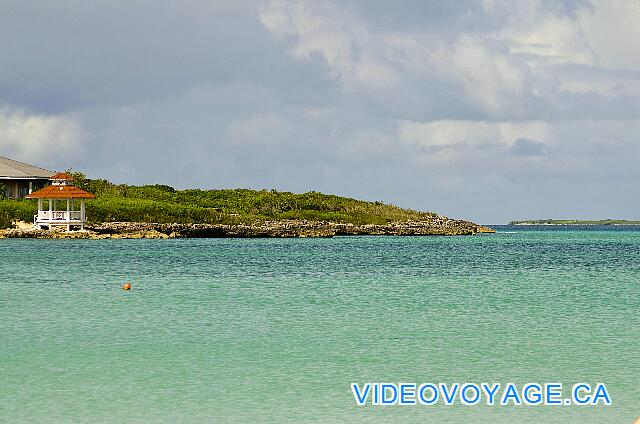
(259, 330)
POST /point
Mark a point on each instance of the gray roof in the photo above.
(10, 168)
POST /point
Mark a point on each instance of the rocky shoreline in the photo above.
(279, 229)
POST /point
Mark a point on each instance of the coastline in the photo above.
(268, 229)
(576, 224)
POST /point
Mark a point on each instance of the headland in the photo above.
(160, 211)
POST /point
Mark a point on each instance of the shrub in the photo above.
(5, 220)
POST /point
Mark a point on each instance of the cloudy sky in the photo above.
(488, 110)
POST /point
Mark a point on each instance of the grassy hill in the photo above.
(164, 204)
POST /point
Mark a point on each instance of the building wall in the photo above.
(11, 188)
(20, 188)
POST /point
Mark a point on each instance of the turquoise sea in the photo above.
(275, 330)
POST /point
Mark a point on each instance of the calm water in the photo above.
(242, 330)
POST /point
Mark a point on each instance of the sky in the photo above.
(485, 110)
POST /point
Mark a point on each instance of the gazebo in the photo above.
(59, 191)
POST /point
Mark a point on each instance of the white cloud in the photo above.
(38, 137)
(377, 62)
(328, 30)
(612, 29)
(600, 34)
(490, 78)
(503, 71)
(543, 35)
(470, 133)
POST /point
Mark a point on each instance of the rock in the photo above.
(438, 225)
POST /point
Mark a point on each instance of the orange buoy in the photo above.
(127, 286)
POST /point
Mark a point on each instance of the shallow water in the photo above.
(258, 330)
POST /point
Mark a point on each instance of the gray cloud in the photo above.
(526, 147)
(455, 107)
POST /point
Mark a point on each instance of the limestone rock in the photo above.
(438, 225)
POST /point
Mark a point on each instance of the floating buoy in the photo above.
(126, 286)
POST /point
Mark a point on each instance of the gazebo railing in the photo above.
(59, 216)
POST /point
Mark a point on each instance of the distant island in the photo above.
(160, 211)
(574, 222)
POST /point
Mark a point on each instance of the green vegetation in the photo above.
(160, 203)
(21, 210)
(574, 222)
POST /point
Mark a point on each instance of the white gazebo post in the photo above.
(39, 209)
(68, 217)
(82, 213)
(50, 212)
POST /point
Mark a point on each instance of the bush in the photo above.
(16, 210)
(5, 220)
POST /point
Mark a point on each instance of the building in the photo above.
(65, 206)
(19, 179)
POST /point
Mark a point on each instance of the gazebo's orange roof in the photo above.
(60, 192)
(62, 176)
